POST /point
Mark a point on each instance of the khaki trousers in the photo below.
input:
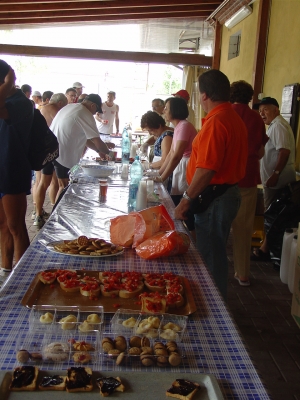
(242, 230)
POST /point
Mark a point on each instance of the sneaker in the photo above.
(33, 214)
(39, 221)
(45, 214)
(4, 274)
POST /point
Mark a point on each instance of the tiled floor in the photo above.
(262, 313)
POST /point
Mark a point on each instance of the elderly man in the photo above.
(277, 167)
(158, 106)
(75, 128)
(16, 116)
(217, 163)
(110, 115)
(48, 176)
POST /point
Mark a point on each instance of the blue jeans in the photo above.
(212, 231)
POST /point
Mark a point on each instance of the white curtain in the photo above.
(190, 83)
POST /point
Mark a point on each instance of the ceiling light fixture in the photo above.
(238, 16)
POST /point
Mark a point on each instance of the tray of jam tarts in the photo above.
(125, 385)
(146, 292)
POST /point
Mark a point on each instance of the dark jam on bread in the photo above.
(23, 376)
(183, 387)
(78, 378)
(108, 385)
(49, 381)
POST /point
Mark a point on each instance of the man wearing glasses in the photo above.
(75, 128)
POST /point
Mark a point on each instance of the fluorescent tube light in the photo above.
(238, 16)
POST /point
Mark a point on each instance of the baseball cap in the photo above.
(266, 100)
(4, 68)
(182, 93)
(96, 99)
(77, 85)
(36, 93)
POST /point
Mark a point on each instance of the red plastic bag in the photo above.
(164, 244)
(134, 228)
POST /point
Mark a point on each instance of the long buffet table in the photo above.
(211, 343)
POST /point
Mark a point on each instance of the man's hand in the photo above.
(182, 209)
(110, 145)
(272, 181)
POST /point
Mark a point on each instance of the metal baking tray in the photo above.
(52, 295)
(138, 385)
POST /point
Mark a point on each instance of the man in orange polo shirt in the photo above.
(218, 161)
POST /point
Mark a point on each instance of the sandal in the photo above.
(259, 255)
(242, 283)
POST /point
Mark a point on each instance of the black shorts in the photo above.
(61, 171)
(48, 170)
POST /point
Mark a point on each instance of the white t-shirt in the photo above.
(280, 137)
(72, 126)
(109, 114)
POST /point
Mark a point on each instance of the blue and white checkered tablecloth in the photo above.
(212, 343)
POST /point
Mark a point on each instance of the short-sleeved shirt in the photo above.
(186, 132)
(221, 146)
(280, 137)
(15, 169)
(109, 114)
(72, 126)
(256, 138)
(158, 142)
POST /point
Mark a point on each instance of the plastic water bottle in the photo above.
(125, 147)
(136, 174)
(292, 264)
(285, 254)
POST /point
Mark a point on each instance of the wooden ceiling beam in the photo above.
(104, 12)
(99, 5)
(15, 23)
(130, 3)
(88, 54)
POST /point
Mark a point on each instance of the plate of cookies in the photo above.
(85, 247)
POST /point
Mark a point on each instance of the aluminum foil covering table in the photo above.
(212, 343)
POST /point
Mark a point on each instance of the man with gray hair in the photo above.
(48, 176)
(277, 167)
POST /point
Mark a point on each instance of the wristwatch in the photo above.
(276, 172)
(186, 196)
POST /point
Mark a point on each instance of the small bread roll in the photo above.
(23, 356)
(175, 359)
(135, 341)
(134, 351)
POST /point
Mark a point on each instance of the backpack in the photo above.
(43, 148)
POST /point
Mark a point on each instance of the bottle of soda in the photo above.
(136, 174)
(125, 147)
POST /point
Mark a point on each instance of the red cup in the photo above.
(103, 189)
